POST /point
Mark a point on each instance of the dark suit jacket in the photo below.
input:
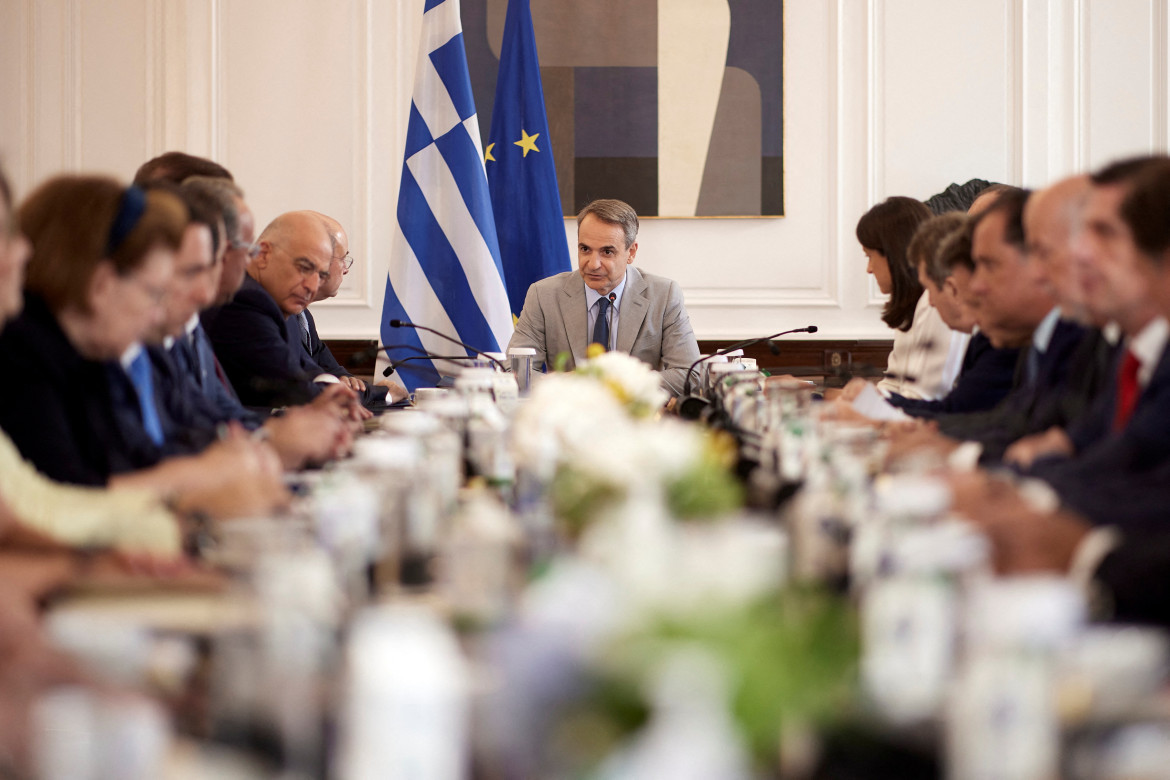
(197, 368)
(1136, 577)
(1102, 455)
(985, 378)
(318, 352)
(653, 325)
(60, 414)
(261, 354)
(1034, 406)
(188, 425)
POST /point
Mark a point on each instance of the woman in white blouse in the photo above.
(921, 364)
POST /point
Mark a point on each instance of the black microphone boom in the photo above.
(740, 345)
(440, 334)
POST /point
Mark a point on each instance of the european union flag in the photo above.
(445, 269)
(521, 172)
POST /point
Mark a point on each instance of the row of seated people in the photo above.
(163, 372)
(1063, 396)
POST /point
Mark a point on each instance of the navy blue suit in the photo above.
(261, 351)
(59, 412)
(985, 378)
(195, 361)
(1104, 455)
(187, 426)
(318, 352)
(1068, 376)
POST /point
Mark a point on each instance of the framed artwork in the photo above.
(674, 106)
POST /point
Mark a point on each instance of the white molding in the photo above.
(73, 84)
(1014, 67)
(875, 102)
(1083, 110)
(216, 113)
(706, 297)
(1159, 121)
(28, 146)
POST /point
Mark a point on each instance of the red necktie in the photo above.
(1127, 390)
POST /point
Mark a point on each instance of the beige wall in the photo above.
(306, 101)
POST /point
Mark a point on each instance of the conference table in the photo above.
(486, 589)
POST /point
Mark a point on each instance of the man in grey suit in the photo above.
(609, 302)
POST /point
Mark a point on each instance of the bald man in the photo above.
(255, 336)
(317, 350)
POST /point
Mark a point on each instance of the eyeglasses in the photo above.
(252, 249)
(346, 262)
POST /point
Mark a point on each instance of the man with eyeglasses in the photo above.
(318, 351)
(256, 336)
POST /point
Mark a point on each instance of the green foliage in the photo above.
(578, 499)
(793, 655)
(706, 490)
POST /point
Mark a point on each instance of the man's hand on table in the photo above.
(1027, 450)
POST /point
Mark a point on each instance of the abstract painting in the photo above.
(674, 106)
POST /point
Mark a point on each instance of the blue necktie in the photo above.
(303, 321)
(143, 382)
(601, 328)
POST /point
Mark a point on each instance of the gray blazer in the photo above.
(653, 325)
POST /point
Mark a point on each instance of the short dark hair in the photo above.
(177, 166)
(1010, 203)
(614, 212)
(225, 193)
(1123, 171)
(924, 246)
(888, 228)
(955, 251)
(203, 209)
(1146, 209)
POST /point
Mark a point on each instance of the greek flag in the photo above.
(445, 269)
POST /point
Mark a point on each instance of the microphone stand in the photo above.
(691, 406)
(440, 334)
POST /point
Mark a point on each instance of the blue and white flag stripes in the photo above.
(521, 172)
(445, 269)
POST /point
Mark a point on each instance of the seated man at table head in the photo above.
(256, 336)
(608, 301)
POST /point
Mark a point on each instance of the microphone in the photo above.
(690, 406)
(741, 345)
(476, 350)
(388, 370)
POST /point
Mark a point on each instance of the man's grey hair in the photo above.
(613, 212)
(225, 193)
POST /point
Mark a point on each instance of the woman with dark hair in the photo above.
(921, 364)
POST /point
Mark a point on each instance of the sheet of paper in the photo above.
(872, 405)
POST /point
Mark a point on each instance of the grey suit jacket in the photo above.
(653, 324)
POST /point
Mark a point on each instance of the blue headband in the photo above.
(130, 210)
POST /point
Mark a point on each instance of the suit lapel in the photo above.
(633, 310)
(574, 317)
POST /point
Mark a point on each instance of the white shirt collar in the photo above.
(130, 355)
(592, 295)
(1147, 346)
(192, 324)
(1042, 336)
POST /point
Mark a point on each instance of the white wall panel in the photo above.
(306, 101)
(1125, 91)
(945, 94)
